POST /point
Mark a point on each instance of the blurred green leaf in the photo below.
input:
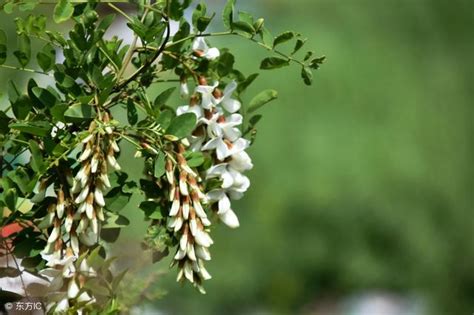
(63, 11)
(3, 46)
(273, 63)
(261, 99)
(23, 54)
(182, 126)
(283, 37)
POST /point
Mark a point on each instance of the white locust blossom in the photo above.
(201, 49)
(217, 132)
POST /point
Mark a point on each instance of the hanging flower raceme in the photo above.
(98, 155)
(188, 220)
(75, 218)
(217, 133)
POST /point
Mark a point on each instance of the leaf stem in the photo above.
(24, 69)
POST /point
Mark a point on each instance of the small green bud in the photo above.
(258, 24)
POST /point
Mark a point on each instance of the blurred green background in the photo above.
(362, 182)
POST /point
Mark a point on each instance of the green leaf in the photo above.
(203, 22)
(4, 120)
(246, 17)
(37, 163)
(9, 7)
(273, 63)
(246, 83)
(164, 118)
(21, 178)
(10, 198)
(261, 99)
(266, 36)
(22, 107)
(282, 38)
(80, 112)
(182, 126)
(228, 13)
(195, 159)
(159, 167)
(244, 27)
(299, 44)
(27, 5)
(307, 75)
(161, 99)
(13, 93)
(46, 98)
(254, 120)
(37, 128)
(115, 220)
(132, 115)
(308, 55)
(116, 200)
(63, 11)
(316, 62)
(225, 64)
(3, 46)
(23, 54)
(151, 209)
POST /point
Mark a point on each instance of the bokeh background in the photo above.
(362, 192)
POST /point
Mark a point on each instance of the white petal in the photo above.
(85, 154)
(203, 272)
(68, 223)
(203, 239)
(190, 252)
(212, 53)
(224, 204)
(60, 210)
(188, 271)
(199, 210)
(241, 161)
(193, 226)
(62, 306)
(231, 105)
(75, 244)
(202, 252)
(89, 210)
(178, 224)
(179, 254)
(185, 210)
(183, 242)
(94, 164)
(230, 219)
(200, 44)
(174, 208)
(99, 197)
(82, 196)
(73, 289)
(54, 235)
(113, 162)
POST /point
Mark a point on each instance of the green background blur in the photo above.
(363, 181)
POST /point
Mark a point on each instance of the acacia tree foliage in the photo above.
(60, 175)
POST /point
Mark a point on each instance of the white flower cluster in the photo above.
(217, 132)
(189, 220)
(75, 218)
(65, 270)
(91, 180)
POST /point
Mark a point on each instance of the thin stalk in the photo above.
(25, 69)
